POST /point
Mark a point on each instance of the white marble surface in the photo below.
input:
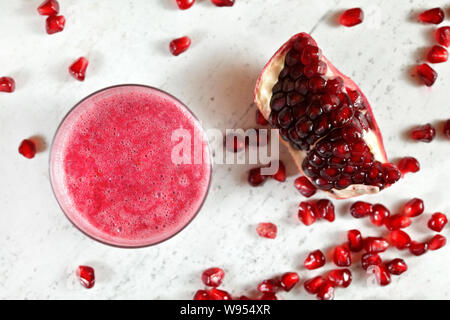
(126, 42)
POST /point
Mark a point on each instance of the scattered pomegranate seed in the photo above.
(314, 260)
(180, 45)
(326, 291)
(27, 148)
(49, 8)
(78, 68)
(375, 245)
(418, 248)
(379, 214)
(413, 208)
(268, 296)
(397, 266)
(447, 129)
(7, 84)
(361, 209)
(355, 240)
(313, 285)
(340, 277)
(325, 210)
(398, 221)
(305, 187)
(268, 286)
(87, 276)
(234, 142)
(437, 54)
(370, 259)
(280, 175)
(352, 17)
(213, 277)
(437, 221)
(434, 16)
(260, 118)
(443, 36)
(201, 295)
(399, 239)
(55, 24)
(185, 4)
(267, 230)
(342, 256)
(255, 178)
(408, 164)
(382, 274)
(223, 3)
(307, 213)
(289, 280)
(437, 242)
(427, 74)
(216, 294)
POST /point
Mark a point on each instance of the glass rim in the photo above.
(205, 196)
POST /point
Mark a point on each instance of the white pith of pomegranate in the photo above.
(342, 180)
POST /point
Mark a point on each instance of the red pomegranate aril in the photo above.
(313, 285)
(201, 295)
(379, 214)
(255, 178)
(370, 259)
(180, 45)
(78, 68)
(7, 84)
(340, 277)
(342, 256)
(427, 74)
(382, 273)
(437, 54)
(223, 3)
(27, 148)
(437, 221)
(397, 266)
(216, 294)
(355, 240)
(234, 142)
(418, 248)
(351, 17)
(260, 118)
(86, 276)
(398, 221)
(268, 286)
(268, 296)
(434, 16)
(413, 208)
(446, 128)
(326, 291)
(305, 187)
(390, 173)
(267, 230)
(443, 36)
(325, 210)
(399, 239)
(310, 54)
(314, 260)
(213, 277)
(436, 242)
(375, 244)
(55, 24)
(408, 164)
(280, 175)
(361, 209)
(307, 213)
(49, 8)
(185, 4)
(289, 280)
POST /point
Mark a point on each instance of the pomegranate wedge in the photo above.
(325, 120)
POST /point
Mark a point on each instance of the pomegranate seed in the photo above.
(437, 242)
(27, 148)
(355, 240)
(370, 259)
(305, 187)
(325, 210)
(437, 222)
(267, 230)
(314, 260)
(408, 164)
(216, 294)
(223, 3)
(443, 36)
(434, 16)
(379, 214)
(7, 84)
(255, 178)
(399, 239)
(397, 266)
(375, 244)
(307, 213)
(260, 118)
(427, 74)
(340, 277)
(87, 276)
(268, 296)
(382, 274)
(398, 221)
(268, 286)
(418, 248)
(437, 54)
(446, 128)
(49, 8)
(234, 142)
(185, 4)
(361, 209)
(280, 175)
(313, 285)
(352, 17)
(180, 45)
(342, 256)
(413, 208)
(289, 280)
(78, 68)
(55, 24)
(326, 291)
(213, 277)
(201, 295)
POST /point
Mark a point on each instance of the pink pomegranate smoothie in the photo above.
(111, 167)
